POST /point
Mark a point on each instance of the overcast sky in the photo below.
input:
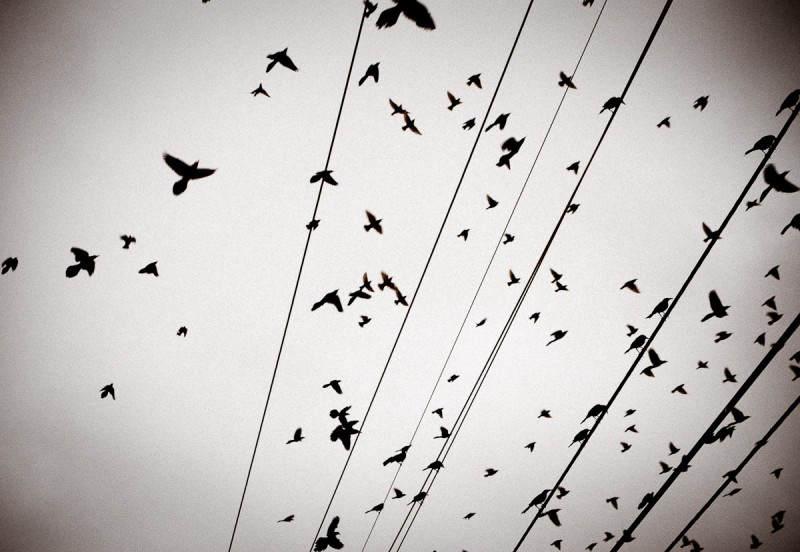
(93, 93)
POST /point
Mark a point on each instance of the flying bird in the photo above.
(186, 172)
(398, 493)
(655, 359)
(128, 241)
(397, 109)
(84, 262)
(475, 79)
(374, 223)
(325, 176)
(364, 321)
(631, 429)
(410, 124)
(535, 317)
(631, 330)
(468, 124)
(613, 501)
(412, 9)
(701, 364)
(762, 144)
(489, 472)
(512, 145)
(574, 167)
(794, 223)
(612, 104)
(512, 279)
(776, 181)
(399, 458)
(631, 285)
(452, 378)
(369, 8)
(298, 436)
(729, 376)
(182, 331)
(625, 446)
(701, 103)
(773, 317)
(673, 449)
(665, 468)
(331, 298)
(710, 234)
(401, 299)
(722, 336)
(358, 294)
(544, 414)
(530, 446)
(790, 102)
(660, 308)
(334, 384)
(443, 433)
(11, 264)
(500, 122)
(331, 538)
(664, 122)
(260, 90)
(439, 412)
(287, 519)
(372, 71)
(754, 542)
(464, 234)
(469, 515)
(558, 334)
(108, 390)
(492, 203)
(718, 310)
(453, 101)
(773, 272)
(481, 323)
(507, 238)
(386, 281)
(776, 472)
(150, 269)
(283, 58)
(680, 389)
(556, 276)
(552, 515)
(564, 80)
(560, 287)
(573, 207)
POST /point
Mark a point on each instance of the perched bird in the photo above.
(439, 412)
(660, 307)
(762, 144)
(790, 101)
(718, 310)
(631, 330)
(364, 321)
(556, 335)
(419, 497)
(580, 436)
(729, 376)
(372, 71)
(452, 378)
(537, 500)
(574, 167)
(334, 384)
(469, 515)
(453, 101)
(512, 279)
(552, 515)
(401, 299)
(443, 433)
(500, 122)
(128, 241)
(435, 465)
(646, 499)
(11, 264)
(84, 262)
(150, 269)
(464, 234)
(722, 336)
(298, 436)
(186, 172)
(564, 80)
(489, 472)
(331, 298)
(374, 223)
(468, 124)
(612, 104)
(386, 281)
(625, 446)
(358, 294)
(776, 181)
(664, 122)
(507, 238)
(108, 390)
(475, 79)
(182, 331)
(680, 389)
(331, 538)
(369, 8)
(399, 457)
(613, 501)
(313, 225)
(260, 90)
(594, 412)
(410, 125)
(281, 57)
(325, 176)
(397, 109)
(701, 102)
(773, 272)
(710, 234)
(637, 343)
(631, 285)
(794, 223)
(287, 519)
(412, 9)
(492, 203)
(376, 508)
(398, 493)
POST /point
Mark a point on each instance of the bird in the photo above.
(631, 330)
(701, 103)
(512, 279)
(580, 436)
(770, 303)
(629, 412)
(664, 122)
(729, 376)
(419, 497)
(613, 501)
(552, 515)
(773, 317)
(790, 101)
(512, 145)
(331, 298)
(435, 465)
(324, 176)
(560, 287)
(594, 412)
(452, 378)
(439, 412)
(366, 284)
(776, 181)
(574, 167)
(398, 493)
(281, 57)
(777, 521)
(399, 457)
(287, 519)
(364, 321)
(754, 542)
(410, 124)
(544, 414)
(631, 285)
(593, 544)
(530, 446)
(84, 262)
(343, 431)
(731, 476)
(710, 234)
(500, 122)
(507, 238)
(372, 71)
(376, 508)
(646, 499)
(564, 80)
(794, 223)
(481, 323)
(625, 446)
(313, 225)
(150, 269)
(358, 294)
(108, 390)
(612, 104)
(738, 416)
(369, 8)
(637, 343)
(722, 336)
(298, 436)
(464, 234)
(608, 536)
(453, 101)
(468, 125)
(489, 472)
(556, 335)
(573, 207)
(334, 384)
(535, 317)
(795, 371)
(374, 223)
(556, 276)
(776, 472)
(182, 331)
(655, 359)
(331, 538)
(773, 272)
(443, 433)
(561, 492)
(556, 544)
(412, 9)
(397, 108)
(260, 90)
(750, 204)
(665, 468)
(469, 515)
(401, 299)
(660, 307)
(701, 364)
(631, 429)
(733, 492)
(186, 172)
(11, 264)
(386, 281)
(128, 241)
(537, 500)
(475, 79)
(718, 310)
(762, 144)
(680, 389)
(492, 203)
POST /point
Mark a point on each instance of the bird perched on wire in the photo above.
(794, 223)
(419, 497)
(660, 307)
(412, 9)
(475, 79)
(334, 384)
(281, 57)
(260, 90)
(718, 310)
(372, 71)
(564, 80)
(453, 101)
(637, 343)
(11, 264)
(376, 508)
(612, 104)
(790, 102)
(399, 457)
(374, 223)
(128, 241)
(537, 500)
(410, 124)
(397, 109)
(762, 144)
(776, 181)
(500, 122)
(325, 176)
(84, 262)
(580, 436)
(298, 436)
(701, 103)
(313, 225)
(435, 465)
(664, 123)
(594, 412)
(331, 538)
(331, 298)
(186, 172)
(108, 390)
(150, 269)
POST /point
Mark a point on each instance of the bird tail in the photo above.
(751, 150)
(782, 233)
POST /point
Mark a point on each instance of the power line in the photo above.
(708, 434)
(424, 270)
(661, 322)
(296, 284)
(491, 260)
(752, 453)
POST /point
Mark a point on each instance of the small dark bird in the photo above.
(770, 303)
(777, 521)
(512, 279)
(556, 335)
(11, 264)
(398, 493)
(655, 359)
(386, 281)
(701, 102)
(573, 207)
(186, 172)
(376, 508)
(334, 384)
(260, 90)
(475, 79)
(108, 390)
(331, 538)
(648, 372)
(625, 446)
(530, 446)
(776, 472)
(492, 203)
(664, 122)
(661, 307)
(537, 500)
(773, 317)
(501, 121)
(505, 160)
(762, 144)
(287, 519)
(556, 276)
(718, 310)
(580, 436)
(452, 378)
(594, 412)
(701, 364)
(790, 101)
(443, 433)
(733, 492)
(366, 284)
(401, 299)
(776, 181)
(574, 167)
(593, 544)
(412, 9)
(665, 468)
(397, 109)
(507, 238)
(637, 343)
(631, 330)
(750, 204)
(324, 176)
(754, 542)
(512, 145)
(631, 285)
(722, 336)
(773, 272)
(410, 125)
(282, 58)
(561, 492)
(182, 331)
(552, 515)
(128, 241)
(332, 298)
(298, 436)
(612, 104)
(313, 225)
(372, 71)
(710, 234)
(358, 294)
(435, 465)
(419, 497)
(645, 501)
(544, 414)
(629, 412)
(608, 537)
(738, 416)
(439, 412)
(369, 8)
(468, 124)
(680, 389)
(560, 287)
(464, 234)
(564, 80)
(673, 449)
(399, 458)
(481, 323)
(557, 544)
(374, 223)
(632, 429)
(613, 501)
(150, 269)
(794, 223)
(342, 433)
(729, 377)
(795, 371)
(535, 317)
(84, 262)
(453, 101)
(469, 515)
(364, 321)
(490, 472)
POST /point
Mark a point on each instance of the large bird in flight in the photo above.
(331, 538)
(84, 262)
(186, 172)
(282, 58)
(412, 9)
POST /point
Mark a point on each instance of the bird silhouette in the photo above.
(762, 144)
(776, 472)
(500, 122)
(556, 276)
(325, 176)
(580, 436)
(439, 412)
(646, 499)
(464, 234)
(733, 492)
(631, 429)
(790, 102)
(364, 321)
(366, 284)
(701, 364)
(612, 104)
(287, 519)
(376, 508)
(507, 238)
(664, 122)
(374, 223)
(492, 203)
(453, 101)
(150, 269)
(331, 298)
(369, 8)
(574, 167)
(386, 281)
(398, 493)
(750, 204)
(372, 71)
(11, 264)
(435, 465)
(260, 90)
(342, 433)
(665, 468)
(655, 360)
(84, 262)
(722, 336)
(701, 103)
(298, 436)
(613, 501)
(469, 515)
(710, 234)
(794, 223)
(680, 389)
(108, 390)
(481, 323)
(489, 472)
(729, 376)
(128, 241)
(625, 446)
(560, 287)
(544, 414)
(573, 207)
(186, 172)
(718, 310)
(182, 331)
(475, 79)
(564, 80)
(313, 225)
(397, 109)
(358, 294)
(660, 308)
(754, 542)
(410, 124)
(412, 9)
(637, 343)
(631, 329)
(334, 384)
(608, 536)
(552, 515)
(535, 317)
(631, 285)
(773, 272)
(556, 544)
(468, 125)
(776, 181)
(777, 521)
(537, 500)
(673, 449)
(331, 538)
(512, 279)
(773, 317)
(401, 299)
(738, 416)
(594, 412)
(452, 378)
(556, 335)
(443, 433)
(281, 57)
(530, 446)
(419, 497)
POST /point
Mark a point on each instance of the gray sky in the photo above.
(93, 93)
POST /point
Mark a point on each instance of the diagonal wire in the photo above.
(425, 269)
(491, 260)
(708, 434)
(296, 286)
(735, 472)
(661, 322)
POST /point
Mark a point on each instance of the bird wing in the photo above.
(653, 356)
(451, 97)
(80, 254)
(201, 173)
(371, 218)
(177, 165)
(298, 433)
(388, 17)
(287, 62)
(714, 300)
(336, 302)
(418, 13)
(336, 387)
(331, 534)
